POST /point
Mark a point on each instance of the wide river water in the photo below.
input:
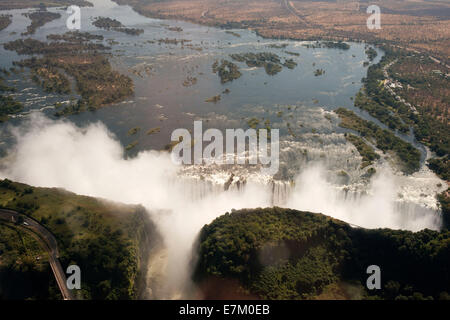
(160, 98)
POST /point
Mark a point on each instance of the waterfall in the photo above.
(363, 203)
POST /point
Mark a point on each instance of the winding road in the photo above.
(48, 242)
(287, 5)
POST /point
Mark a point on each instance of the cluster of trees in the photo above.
(107, 23)
(105, 240)
(377, 101)
(8, 106)
(24, 271)
(96, 82)
(256, 59)
(383, 139)
(31, 46)
(430, 96)
(38, 19)
(289, 63)
(214, 99)
(173, 41)
(270, 61)
(292, 53)
(237, 35)
(5, 21)
(367, 153)
(319, 72)
(47, 76)
(272, 68)
(109, 262)
(3, 86)
(243, 24)
(328, 44)
(76, 107)
(441, 166)
(278, 46)
(74, 36)
(380, 110)
(113, 24)
(371, 53)
(434, 134)
(278, 253)
(337, 45)
(227, 71)
(424, 83)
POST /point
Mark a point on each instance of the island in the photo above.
(226, 70)
(38, 19)
(5, 21)
(278, 253)
(82, 60)
(270, 61)
(113, 24)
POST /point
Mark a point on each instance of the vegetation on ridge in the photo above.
(277, 253)
(106, 240)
